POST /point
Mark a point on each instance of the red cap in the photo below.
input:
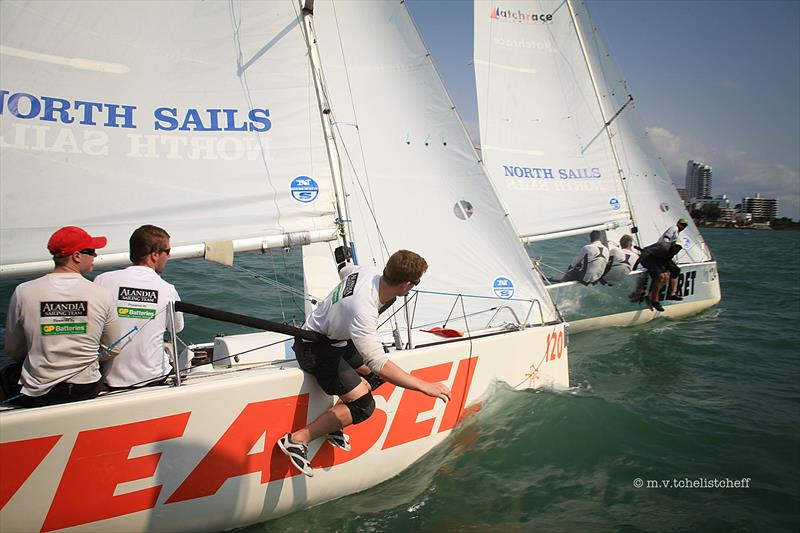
(71, 239)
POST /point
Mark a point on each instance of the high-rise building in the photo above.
(698, 180)
(761, 208)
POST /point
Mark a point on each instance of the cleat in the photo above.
(339, 439)
(297, 453)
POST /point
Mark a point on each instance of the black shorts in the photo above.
(654, 267)
(63, 392)
(674, 270)
(334, 367)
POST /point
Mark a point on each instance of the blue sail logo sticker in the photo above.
(614, 203)
(503, 287)
(304, 189)
(687, 242)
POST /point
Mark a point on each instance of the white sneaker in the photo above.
(298, 454)
(339, 439)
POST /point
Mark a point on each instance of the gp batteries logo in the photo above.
(78, 328)
(136, 312)
(304, 189)
(614, 203)
(503, 287)
(518, 15)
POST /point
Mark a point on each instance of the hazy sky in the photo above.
(715, 80)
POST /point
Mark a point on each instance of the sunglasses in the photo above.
(165, 250)
(415, 282)
(89, 251)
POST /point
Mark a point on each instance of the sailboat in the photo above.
(568, 154)
(244, 126)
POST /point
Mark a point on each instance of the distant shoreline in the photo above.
(783, 226)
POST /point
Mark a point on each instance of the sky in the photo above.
(717, 81)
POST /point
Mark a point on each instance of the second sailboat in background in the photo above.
(568, 154)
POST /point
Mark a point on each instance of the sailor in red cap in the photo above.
(58, 324)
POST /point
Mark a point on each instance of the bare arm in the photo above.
(396, 375)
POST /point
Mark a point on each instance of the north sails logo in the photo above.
(50, 309)
(130, 294)
(519, 15)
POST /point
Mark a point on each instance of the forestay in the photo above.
(412, 177)
(200, 118)
(542, 131)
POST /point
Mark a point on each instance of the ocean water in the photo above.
(711, 398)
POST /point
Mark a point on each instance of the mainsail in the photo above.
(560, 134)
(191, 121)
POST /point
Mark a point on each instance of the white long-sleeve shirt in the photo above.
(56, 323)
(140, 299)
(670, 235)
(350, 312)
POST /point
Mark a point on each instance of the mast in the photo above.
(606, 120)
(339, 193)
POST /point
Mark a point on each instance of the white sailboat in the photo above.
(566, 149)
(204, 118)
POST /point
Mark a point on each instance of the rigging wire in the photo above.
(280, 297)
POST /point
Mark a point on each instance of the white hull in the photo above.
(201, 457)
(701, 293)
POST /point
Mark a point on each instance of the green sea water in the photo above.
(714, 398)
(711, 398)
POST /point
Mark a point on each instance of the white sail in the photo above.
(412, 177)
(548, 88)
(199, 120)
(201, 456)
(542, 132)
(651, 192)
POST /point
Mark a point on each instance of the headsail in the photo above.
(550, 96)
(412, 176)
(177, 121)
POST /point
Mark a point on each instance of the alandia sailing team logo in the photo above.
(304, 189)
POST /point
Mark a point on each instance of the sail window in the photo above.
(463, 210)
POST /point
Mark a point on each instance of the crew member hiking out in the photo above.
(657, 259)
(589, 265)
(354, 362)
(670, 236)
